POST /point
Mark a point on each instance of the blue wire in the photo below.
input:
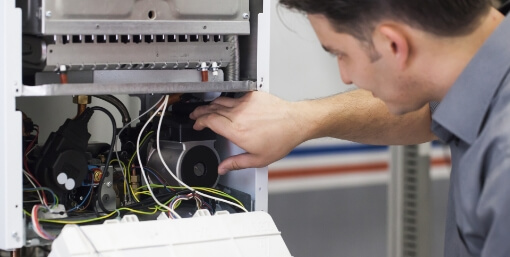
(159, 180)
(84, 199)
(45, 189)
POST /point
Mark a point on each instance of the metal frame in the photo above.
(409, 201)
(254, 181)
(137, 88)
(130, 17)
(177, 27)
(12, 233)
(12, 229)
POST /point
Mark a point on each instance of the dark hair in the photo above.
(358, 17)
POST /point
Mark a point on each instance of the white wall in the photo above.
(300, 68)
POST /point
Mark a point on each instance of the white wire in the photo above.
(175, 177)
(33, 184)
(133, 121)
(124, 168)
(140, 158)
(41, 232)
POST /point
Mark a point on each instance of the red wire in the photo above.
(37, 224)
(25, 164)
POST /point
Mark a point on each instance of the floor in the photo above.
(345, 221)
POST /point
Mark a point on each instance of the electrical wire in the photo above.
(38, 229)
(206, 189)
(176, 201)
(122, 130)
(37, 189)
(121, 107)
(117, 211)
(121, 163)
(145, 138)
(27, 169)
(108, 158)
(77, 207)
(173, 175)
(33, 184)
(162, 109)
(157, 178)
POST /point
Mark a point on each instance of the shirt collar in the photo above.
(463, 109)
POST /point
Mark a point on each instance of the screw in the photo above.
(109, 184)
(199, 169)
(15, 235)
(246, 15)
(48, 14)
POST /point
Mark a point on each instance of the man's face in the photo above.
(369, 69)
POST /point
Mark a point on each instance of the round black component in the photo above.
(199, 167)
(71, 163)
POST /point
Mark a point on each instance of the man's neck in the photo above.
(454, 54)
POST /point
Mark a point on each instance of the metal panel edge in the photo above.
(263, 82)
(12, 234)
(146, 27)
(137, 88)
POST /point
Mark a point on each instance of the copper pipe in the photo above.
(63, 77)
(174, 98)
(16, 253)
(205, 76)
(205, 72)
(81, 109)
(65, 80)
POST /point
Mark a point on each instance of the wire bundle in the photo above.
(163, 110)
(168, 201)
(174, 203)
(36, 226)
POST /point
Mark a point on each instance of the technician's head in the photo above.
(407, 52)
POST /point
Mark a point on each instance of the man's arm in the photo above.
(359, 117)
(268, 128)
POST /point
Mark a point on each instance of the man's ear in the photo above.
(393, 43)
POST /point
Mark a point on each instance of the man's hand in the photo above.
(265, 126)
(268, 128)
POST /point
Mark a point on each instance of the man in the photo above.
(407, 56)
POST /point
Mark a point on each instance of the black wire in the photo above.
(108, 159)
(126, 118)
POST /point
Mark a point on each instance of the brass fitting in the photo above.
(82, 99)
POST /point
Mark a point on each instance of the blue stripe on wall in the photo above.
(341, 148)
(334, 149)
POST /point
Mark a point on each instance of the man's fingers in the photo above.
(218, 123)
(203, 110)
(226, 101)
(207, 109)
(238, 162)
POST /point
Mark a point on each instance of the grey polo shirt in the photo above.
(474, 119)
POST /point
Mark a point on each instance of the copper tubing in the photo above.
(16, 253)
(64, 80)
(205, 76)
(174, 98)
(81, 109)
(63, 77)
